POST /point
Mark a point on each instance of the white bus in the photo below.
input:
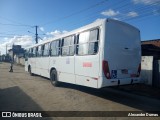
(104, 53)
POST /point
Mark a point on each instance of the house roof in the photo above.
(150, 50)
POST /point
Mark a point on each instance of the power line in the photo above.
(75, 13)
(119, 7)
(42, 32)
(13, 21)
(11, 36)
(94, 16)
(15, 25)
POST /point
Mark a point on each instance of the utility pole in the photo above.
(36, 39)
(36, 34)
(6, 49)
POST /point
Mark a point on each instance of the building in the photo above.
(16, 52)
(155, 42)
(151, 62)
(151, 48)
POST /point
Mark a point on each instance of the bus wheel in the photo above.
(30, 71)
(54, 78)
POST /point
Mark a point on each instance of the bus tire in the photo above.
(30, 71)
(54, 78)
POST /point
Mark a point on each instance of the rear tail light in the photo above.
(139, 70)
(106, 69)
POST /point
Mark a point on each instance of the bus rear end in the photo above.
(121, 63)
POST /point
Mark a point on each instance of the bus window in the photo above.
(45, 49)
(83, 43)
(39, 52)
(68, 46)
(26, 55)
(55, 48)
(88, 42)
(93, 41)
(29, 53)
(34, 52)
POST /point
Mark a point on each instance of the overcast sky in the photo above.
(18, 18)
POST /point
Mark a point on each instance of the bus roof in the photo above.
(83, 28)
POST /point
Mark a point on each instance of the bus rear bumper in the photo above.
(115, 82)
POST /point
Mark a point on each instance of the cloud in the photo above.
(117, 15)
(56, 33)
(110, 13)
(116, 18)
(41, 28)
(99, 19)
(24, 41)
(132, 14)
(156, 11)
(146, 2)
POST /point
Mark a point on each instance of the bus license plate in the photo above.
(124, 71)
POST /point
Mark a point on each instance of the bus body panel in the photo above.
(66, 69)
(26, 66)
(87, 70)
(39, 65)
(42, 66)
(32, 63)
(54, 63)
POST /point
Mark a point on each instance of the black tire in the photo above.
(30, 71)
(54, 78)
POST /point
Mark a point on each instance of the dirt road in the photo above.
(21, 92)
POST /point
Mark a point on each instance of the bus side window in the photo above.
(55, 48)
(45, 49)
(34, 52)
(82, 45)
(72, 46)
(39, 52)
(42, 50)
(26, 55)
(31, 52)
(87, 43)
(37, 55)
(93, 41)
(68, 46)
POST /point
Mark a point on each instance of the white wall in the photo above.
(22, 61)
(147, 69)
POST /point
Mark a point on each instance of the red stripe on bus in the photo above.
(87, 64)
